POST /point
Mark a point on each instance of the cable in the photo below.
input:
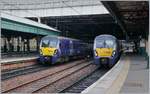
(18, 8)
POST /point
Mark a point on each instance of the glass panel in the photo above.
(45, 43)
(105, 44)
(49, 43)
(109, 44)
(53, 43)
(100, 43)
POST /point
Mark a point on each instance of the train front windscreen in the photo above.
(106, 44)
(49, 43)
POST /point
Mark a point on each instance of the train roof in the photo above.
(105, 36)
(60, 37)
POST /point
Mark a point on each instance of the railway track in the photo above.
(85, 82)
(38, 81)
(57, 84)
(5, 75)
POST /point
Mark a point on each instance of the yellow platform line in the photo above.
(119, 81)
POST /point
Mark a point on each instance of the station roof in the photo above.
(26, 21)
(43, 8)
(85, 27)
(85, 19)
(132, 16)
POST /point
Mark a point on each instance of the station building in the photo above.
(20, 35)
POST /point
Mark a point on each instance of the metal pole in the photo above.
(148, 45)
(39, 19)
(0, 31)
(148, 59)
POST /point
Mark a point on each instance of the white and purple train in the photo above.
(55, 49)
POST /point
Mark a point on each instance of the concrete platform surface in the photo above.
(128, 76)
(16, 59)
(137, 81)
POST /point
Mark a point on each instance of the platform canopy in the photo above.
(43, 8)
(18, 24)
(132, 16)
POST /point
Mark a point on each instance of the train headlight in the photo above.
(95, 52)
(55, 52)
(113, 53)
(41, 52)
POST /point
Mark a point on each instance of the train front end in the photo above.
(105, 51)
(48, 50)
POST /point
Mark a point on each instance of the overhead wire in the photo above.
(18, 8)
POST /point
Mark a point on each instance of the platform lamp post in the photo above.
(148, 60)
(37, 35)
(148, 50)
(148, 44)
(148, 55)
(0, 32)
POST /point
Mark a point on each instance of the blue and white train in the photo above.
(106, 50)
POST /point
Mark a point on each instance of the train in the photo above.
(54, 49)
(107, 50)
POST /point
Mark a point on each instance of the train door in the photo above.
(62, 47)
(71, 48)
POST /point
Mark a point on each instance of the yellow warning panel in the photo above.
(104, 52)
(46, 51)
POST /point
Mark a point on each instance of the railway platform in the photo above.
(16, 57)
(129, 76)
(17, 60)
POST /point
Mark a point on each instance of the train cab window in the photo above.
(99, 43)
(45, 43)
(53, 43)
(105, 44)
(49, 43)
(110, 44)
